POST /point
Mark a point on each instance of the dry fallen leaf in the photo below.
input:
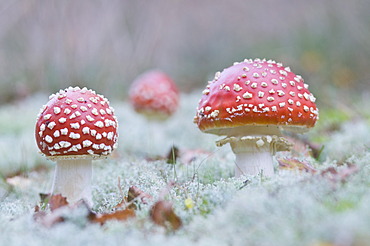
(295, 164)
(57, 201)
(162, 214)
(187, 156)
(136, 193)
(55, 215)
(120, 215)
(304, 147)
(339, 175)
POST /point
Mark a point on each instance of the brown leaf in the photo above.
(136, 193)
(48, 220)
(162, 214)
(57, 201)
(120, 215)
(339, 175)
(304, 147)
(187, 156)
(295, 164)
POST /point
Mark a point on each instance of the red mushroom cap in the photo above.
(154, 94)
(76, 123)
(256, 92)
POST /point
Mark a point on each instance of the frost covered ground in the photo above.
(328, 205)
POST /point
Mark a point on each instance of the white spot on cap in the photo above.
(56, 146)
(75, 125)
(102, 111)
(89, 118)
(42, 127)
(273, 108)
(99, 124)
(237, 87)
(67, 111)
(214, 114)
(247, 95)
(83, 108)
(57, 110)
(94, 111)
(282, 104)
(48, 139)
(110, 135)
(56, 133)
(86, 130)
(98, 136)
(280, 93)
(274, 81)
(270, 99)
(93, 133)
(64, 131)
(51, 125)
(62, 120)
(74, 106)
(74, 135)
(46, 117)
(306, 96)
(261, 94)
(86, 143)
(64, 144)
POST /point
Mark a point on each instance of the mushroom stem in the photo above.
(251, 159)
(254, 154)
(72, 179)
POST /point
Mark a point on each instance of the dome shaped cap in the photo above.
(154, 94)
(76, 123)
(256, 93)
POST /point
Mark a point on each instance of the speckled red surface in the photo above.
(154, 92)
(256, 92)
(76, 122)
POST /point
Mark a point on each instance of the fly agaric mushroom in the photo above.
(250, 103)
(154, 95)
(73, 128)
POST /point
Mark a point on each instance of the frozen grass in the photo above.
(292, 208)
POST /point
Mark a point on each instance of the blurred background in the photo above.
(104, 45)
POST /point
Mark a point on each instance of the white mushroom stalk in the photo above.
(72, 179)
(254, 154)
